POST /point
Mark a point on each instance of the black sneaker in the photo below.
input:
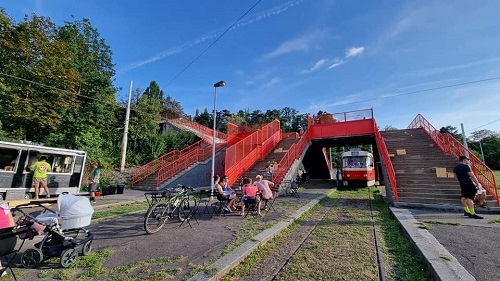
(466, 214)
(475, 216)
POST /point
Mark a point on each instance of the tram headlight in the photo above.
(348, 175)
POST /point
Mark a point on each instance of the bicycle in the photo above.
(175, 202)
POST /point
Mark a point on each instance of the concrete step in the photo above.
(431, 200)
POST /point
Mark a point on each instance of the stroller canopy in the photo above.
(74, 211)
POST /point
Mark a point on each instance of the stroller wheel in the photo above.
(86, 248)
(31, 258)
(68, 257)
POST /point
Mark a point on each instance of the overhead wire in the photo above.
(347, 103)
(211, 44)
(483, 125)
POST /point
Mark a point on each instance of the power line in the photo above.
(211, 44)
(426, 90)
(48, 86)
(484, 125)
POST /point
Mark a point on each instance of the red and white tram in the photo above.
(358, 168)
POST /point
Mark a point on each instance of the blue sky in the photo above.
(400, 58)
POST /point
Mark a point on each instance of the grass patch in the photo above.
(497, 179)
(118, 210)
(494, 221)
(341, 246)
(400, 259)
(447, 258)
(251, 262)
(444, 222)
(423, 225)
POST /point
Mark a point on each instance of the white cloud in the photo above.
(302, 43)
(354, 52)
(316, 66)
(214, 34)
(337, 62)
(270, 83)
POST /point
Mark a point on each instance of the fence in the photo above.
(244, 153)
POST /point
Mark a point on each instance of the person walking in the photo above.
(94, 176)
(40, 168)
(468, 185)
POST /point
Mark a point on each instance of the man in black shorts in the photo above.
(468, 184)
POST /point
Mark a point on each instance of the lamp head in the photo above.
(220, 84)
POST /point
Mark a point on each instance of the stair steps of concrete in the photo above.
(259, 168)
(415, 168)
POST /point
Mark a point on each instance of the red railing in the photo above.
(449, 145)
(384, 153)
(197, 152)
(150, 168)
(200, 130)
(246, 152)
(290, 156)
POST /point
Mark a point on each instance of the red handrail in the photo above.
(246, 152)
(206, 133)
(449, 145)
(197, 152)
(382, 149)
(150, 168)
(293, 153)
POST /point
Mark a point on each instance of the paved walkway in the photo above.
(471, 245)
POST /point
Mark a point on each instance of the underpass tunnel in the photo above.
(314, 160)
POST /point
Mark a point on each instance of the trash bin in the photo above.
(105, 190)
(119, 188)
(112, 189)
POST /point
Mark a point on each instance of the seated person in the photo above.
(264, 186)
(228, 193)
(6, 221)
(250, 195)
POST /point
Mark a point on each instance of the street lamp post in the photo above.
(216, 85)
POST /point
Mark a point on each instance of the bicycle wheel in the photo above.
(184, 209)
(156, 217)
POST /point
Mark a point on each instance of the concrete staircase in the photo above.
(259, 168)
(423, 171)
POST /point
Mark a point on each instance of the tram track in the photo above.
(280, 256)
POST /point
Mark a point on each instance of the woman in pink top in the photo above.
(250, 192)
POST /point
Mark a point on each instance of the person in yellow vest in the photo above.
(40, 169)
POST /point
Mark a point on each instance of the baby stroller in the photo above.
(63, 231)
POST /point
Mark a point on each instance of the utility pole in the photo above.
(464, 140)
(125, 131)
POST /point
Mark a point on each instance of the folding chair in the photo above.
(204, 202)
(8, 240)
(251, 207)
(190, 212)
(269, 203)
(220, 207)
(293, 189)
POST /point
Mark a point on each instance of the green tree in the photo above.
(172, 109)
(390, 128)
(41, 89)
(452, 131)
(92, 59)
(204, 119)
